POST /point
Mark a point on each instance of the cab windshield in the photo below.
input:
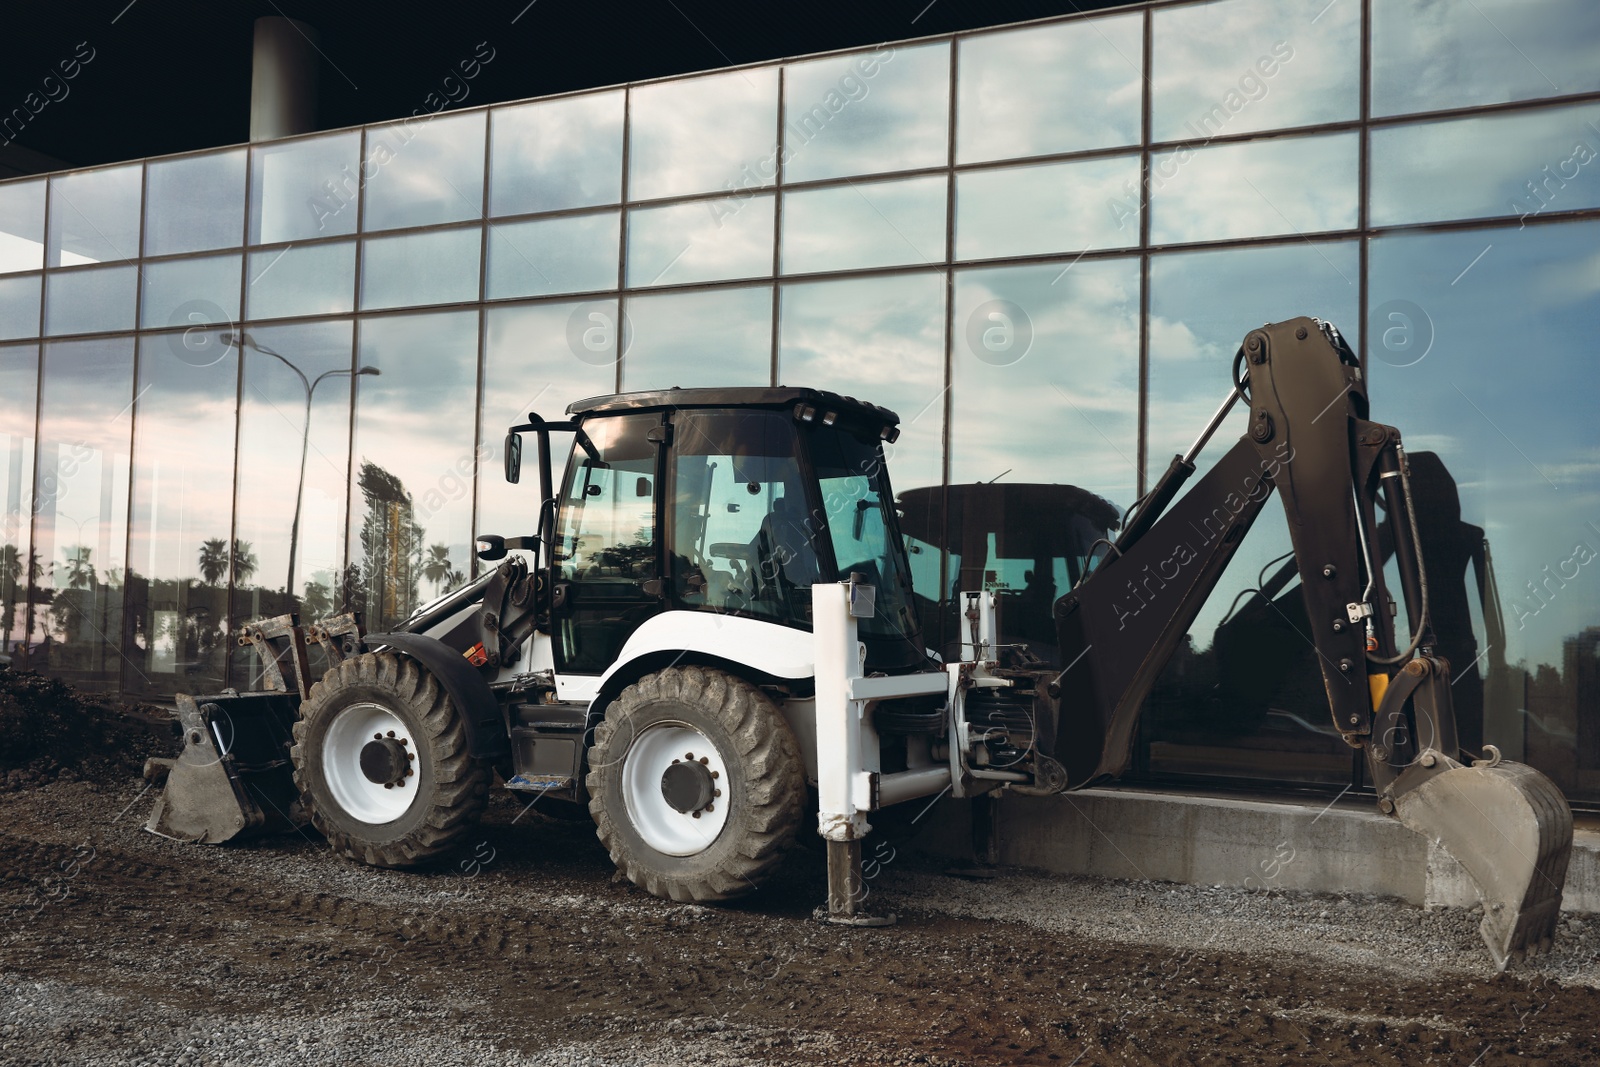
(858, 503)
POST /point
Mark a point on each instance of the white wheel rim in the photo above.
(351, 789)
(663, 827)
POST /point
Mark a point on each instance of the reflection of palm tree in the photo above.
(10, 575)
(436, 568)
(80, 569)
(244, 561)
(316, 604)
(457, 579)
(213, 560)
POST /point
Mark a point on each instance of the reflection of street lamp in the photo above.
(242, 340)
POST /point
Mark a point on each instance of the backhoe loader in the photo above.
(709, 639)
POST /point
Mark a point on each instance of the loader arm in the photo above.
(1309, 438)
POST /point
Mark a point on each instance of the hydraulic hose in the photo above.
(1422, 573)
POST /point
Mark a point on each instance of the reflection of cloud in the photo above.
(1175, 340)
(425, 172)
(706, 240)
(1283, 185)
(1042, 208)
(716, 337)
(556, 154)
(840, 121)
(696, 135)
(1064, 87)
(1202, 52)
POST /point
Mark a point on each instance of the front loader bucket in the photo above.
(1510, 827)
(232, 778)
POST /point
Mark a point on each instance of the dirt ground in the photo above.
(118, 946)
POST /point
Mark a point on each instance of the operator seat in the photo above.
(785, 558)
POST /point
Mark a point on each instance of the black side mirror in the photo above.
(513, 457)
(492, 546)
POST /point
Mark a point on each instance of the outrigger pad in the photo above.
(1511, 828)
(232, 778)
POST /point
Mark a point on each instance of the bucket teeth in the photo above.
(1511, 830)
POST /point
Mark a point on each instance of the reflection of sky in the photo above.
(188, 292)
(19, 373)
(22, 225)
(1471, 168)
(182, 452)
(565, 254)
(1041, 208)
(881, 340)
(19, 307)
(700, 241)
(436, 267)
(1201, 306)
(717, 337)
(1428, 55)
(694, 136)
(839, 121)
(556, 154)
(194, 203)
(1068, 87)
(270, 425)
(1065, 410)
(1255, 189)
(414, 421)
(864, 224)
(94, 216)
(289, 200)
(1506, 396)
(424, 171)
(84, 418)
(311, 280)
(529, 366)
(89, 301)
(1205, 52)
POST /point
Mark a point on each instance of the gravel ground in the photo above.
(120, 947)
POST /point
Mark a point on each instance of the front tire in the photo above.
(381, 761)
(696, 784)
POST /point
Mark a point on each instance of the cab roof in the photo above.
(779, 397)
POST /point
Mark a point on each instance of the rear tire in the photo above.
(393, 706)
(751, 761)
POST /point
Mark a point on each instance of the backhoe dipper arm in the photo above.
(1310, 438)
(1121, 625)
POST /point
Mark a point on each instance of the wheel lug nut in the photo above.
(696, 814)
(404, 741)
(388, 785)
(391, 733)
(377, 737)
(716, 774)
(688, 755)
(711, 807)
(716, 792)
(705, 759)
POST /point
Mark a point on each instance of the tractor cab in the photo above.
(728, 501)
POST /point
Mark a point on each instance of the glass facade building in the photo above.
(1040, 244)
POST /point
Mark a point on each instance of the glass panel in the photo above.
(1044, 432)
(867, 112)
(556, 154)
(701, 241)
(19, 306)
(309, 280)
(90, 301)
(537, 357)
(566, 254)
(189, 292)
(1287, 185)
(19, 376)
(1523, 164)
(410, 524)
(21, 226)
(179, 559)
(94, 216)
(424, 171)
(420, 268)
(606, 545)
(1236, 66)
(81, 512)
(1067, 87)
(1047, 207)
(273, 425)
(701, 135)
(1427, 56)
(194, 204)
(1211, 714)
(882, 339)
(741, 536)
(720, 337)
(1483, 354)
(304, 189)
(864, 224)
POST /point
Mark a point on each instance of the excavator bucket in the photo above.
(1511, 829)
(232, 778)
